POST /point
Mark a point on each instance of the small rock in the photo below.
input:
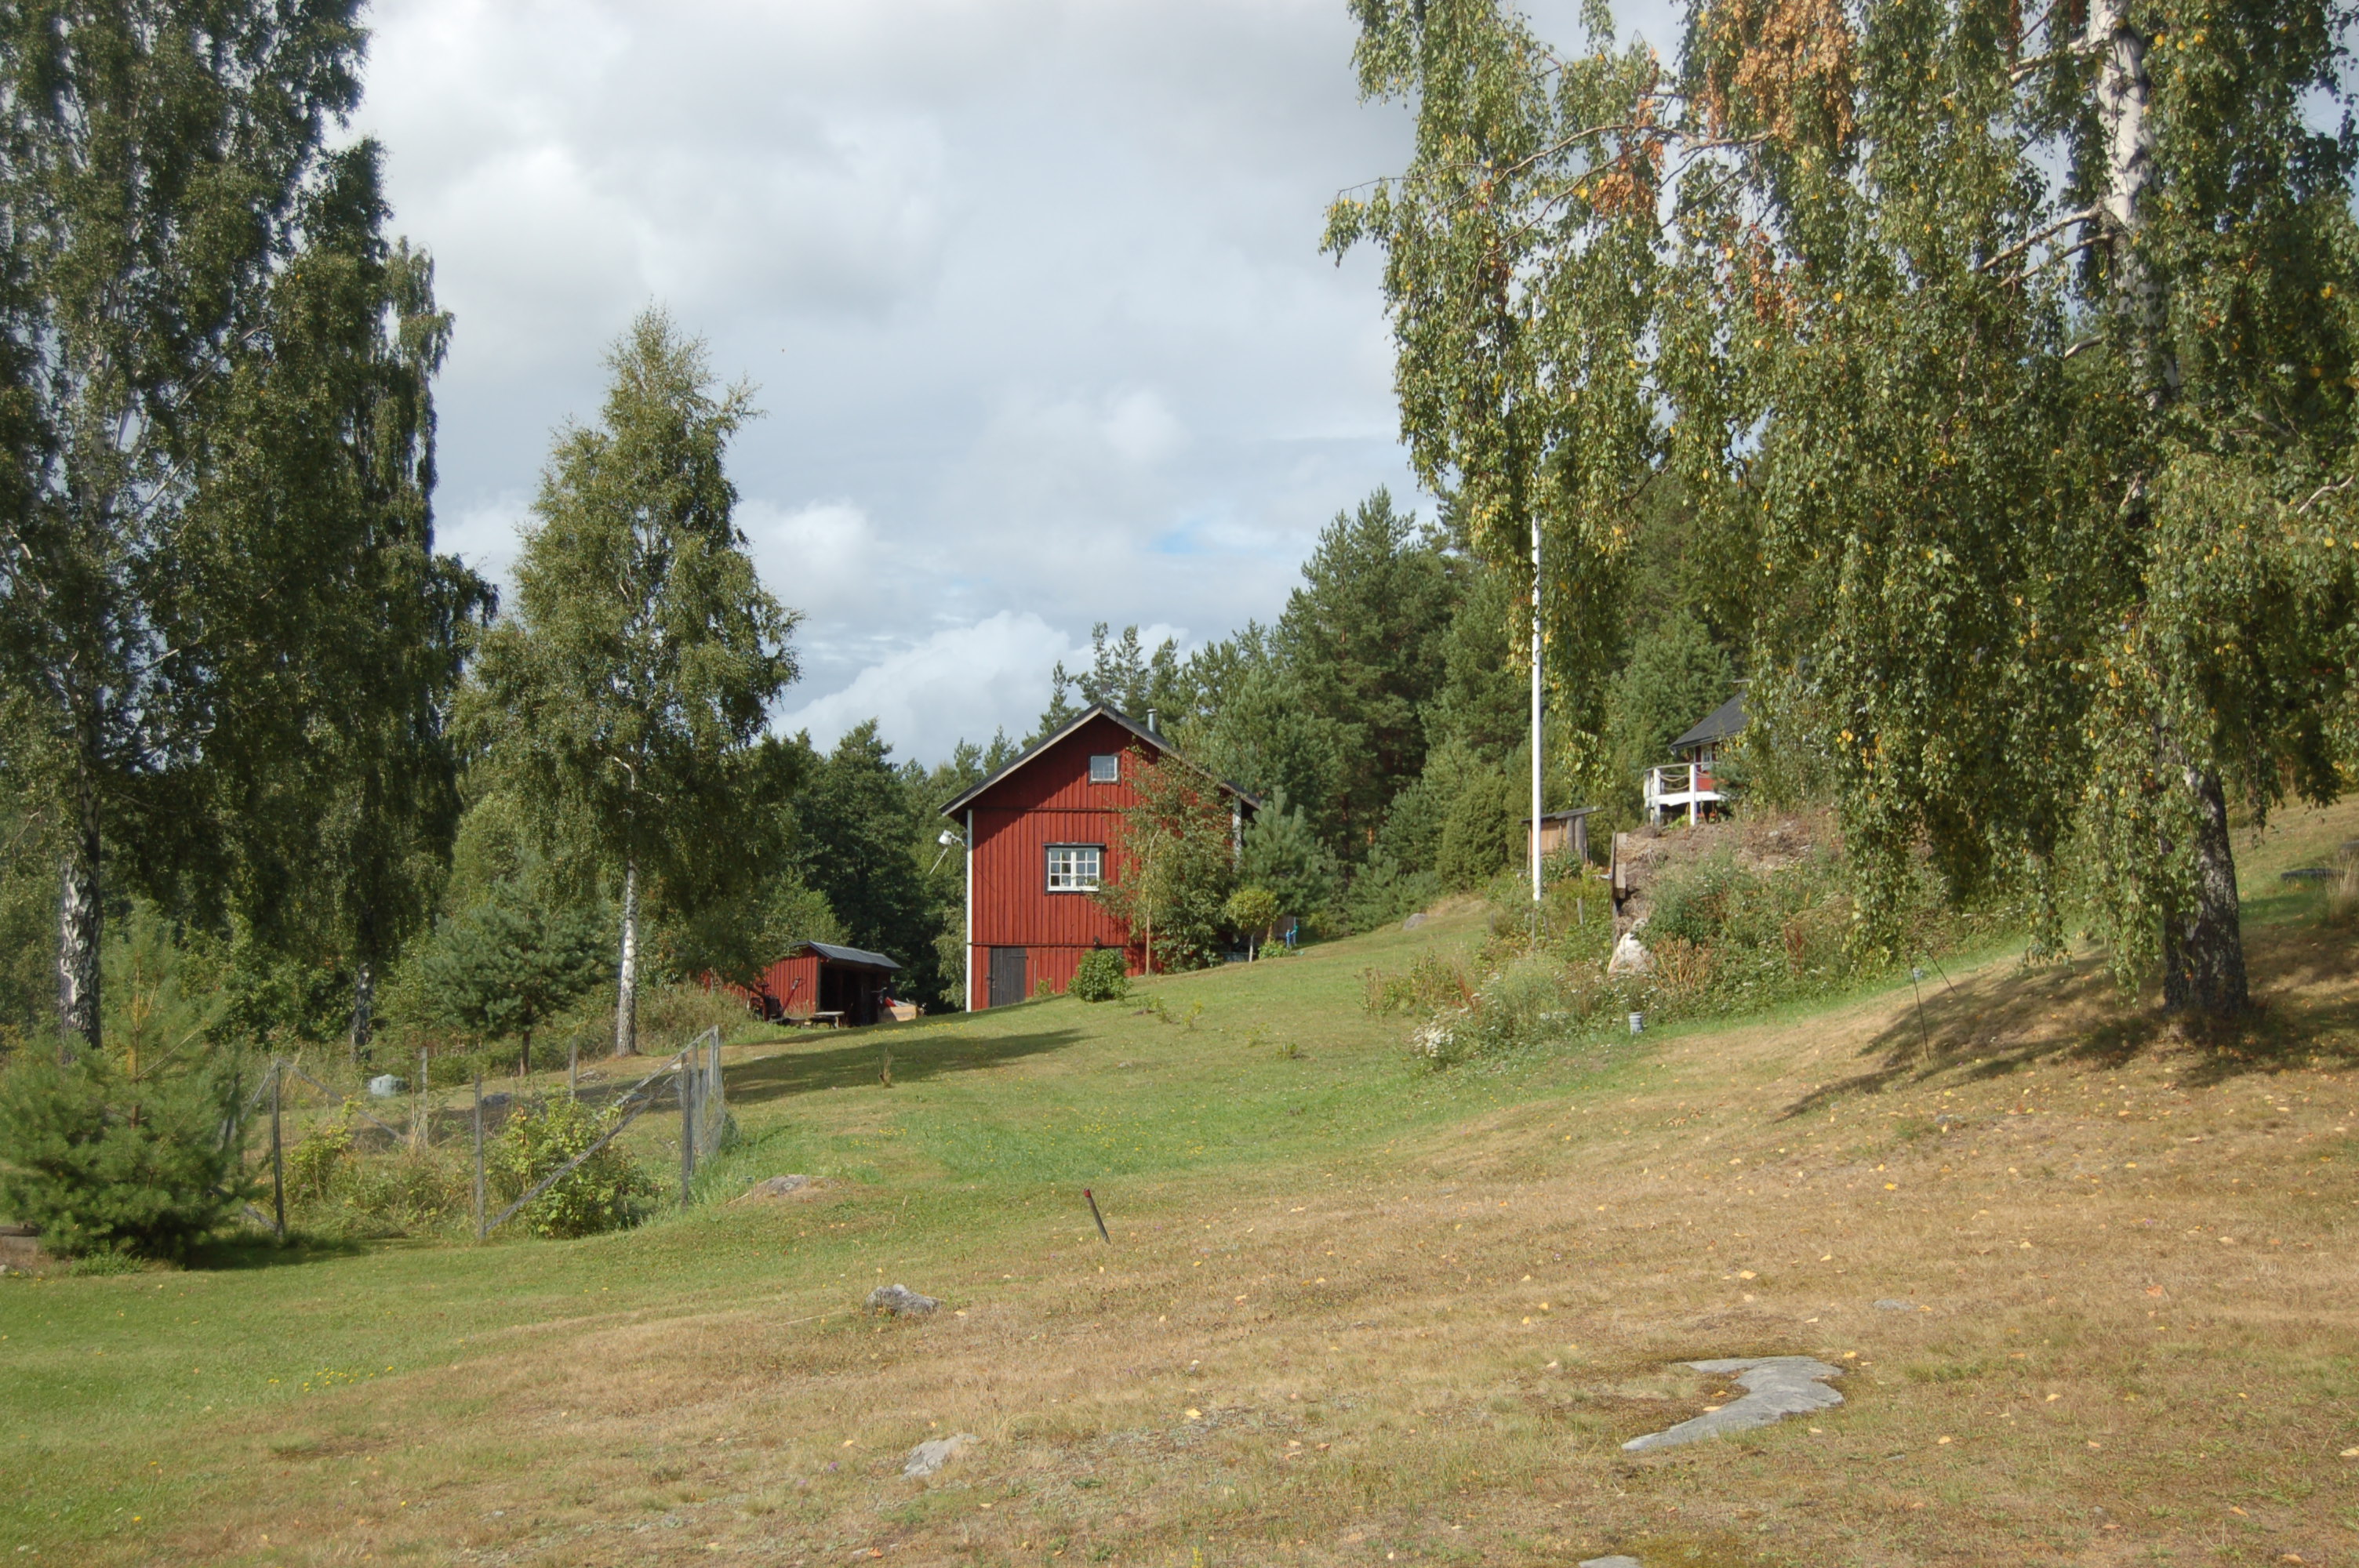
(1774, 1388)
(1630, 957)
(900, 1301)
(1414, 920)
(1891, 1304)
(2306, 874)
(1619, 1560)
(778, 1187)
(384, 1085)
(932, 1455)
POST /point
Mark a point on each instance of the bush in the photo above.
(98, 1164)
(1101, 976)
(335, 1189)
(605, 1192)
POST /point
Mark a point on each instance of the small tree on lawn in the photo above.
(1253, 911)
(503, 966)
(625, 698)
(1174, 864)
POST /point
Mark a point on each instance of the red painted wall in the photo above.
(1049, 800)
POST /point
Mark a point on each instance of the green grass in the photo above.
(139, 1412)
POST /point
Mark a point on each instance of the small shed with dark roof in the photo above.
(822, 982)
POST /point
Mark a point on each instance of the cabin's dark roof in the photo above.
(1095, 710)
(835, 955)
(1716, 726)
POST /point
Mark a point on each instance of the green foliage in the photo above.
(506, 965)
(1284, 855)
(623, 701)
(1172, 864)
(1251, 911)
(1675, 675)
(220, 599)
(337, 1186)
(99, 1162)
(860, 828)
(1100, 976)
(606, 1192)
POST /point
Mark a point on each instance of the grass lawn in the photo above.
(1351, 1313)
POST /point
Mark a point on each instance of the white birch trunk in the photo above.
(2126, 122)
(363, 1012)
(79, 932)
(626, 996)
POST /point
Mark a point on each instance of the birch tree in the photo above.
(623, 701)
(2014, 344)
(187, 276)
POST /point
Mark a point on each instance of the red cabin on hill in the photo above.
(1041, 835)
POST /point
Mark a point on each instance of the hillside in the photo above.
(2088, 1284)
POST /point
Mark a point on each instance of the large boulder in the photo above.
(1630, 957)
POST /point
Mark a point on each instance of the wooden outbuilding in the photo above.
(1041, 836)
(819, 982)
(1563, 831)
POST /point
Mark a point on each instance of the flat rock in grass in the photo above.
(1774, 1388)
(778, 1187)
(1619, 1560)
(1894, 1304)
(900, 1301)
(2308, 874)
(1414, 920)
(932, 1455)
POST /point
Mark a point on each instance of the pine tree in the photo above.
(623, 701)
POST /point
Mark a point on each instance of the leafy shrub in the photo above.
(1434, 981)
(605, 1192)
(1100, 977)
(99, 1164)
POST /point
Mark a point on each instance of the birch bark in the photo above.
(626, 997)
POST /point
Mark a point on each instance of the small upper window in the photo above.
(1105, 768)
(1074, 868)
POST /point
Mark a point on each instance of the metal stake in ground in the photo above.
(1099, 1218)
(277, 1161)
(479, 1154)
(687, 1083)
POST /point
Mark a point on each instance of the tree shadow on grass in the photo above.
(859, 1061)
(244, 1249)
(2305, 982)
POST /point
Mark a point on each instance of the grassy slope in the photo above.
(1351, 1314)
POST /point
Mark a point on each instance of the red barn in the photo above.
(819, 982)
(1041, 834)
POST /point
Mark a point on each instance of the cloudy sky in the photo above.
(1030, 288)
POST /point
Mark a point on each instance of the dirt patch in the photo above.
(1761, 844)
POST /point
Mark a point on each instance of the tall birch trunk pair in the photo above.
(2203, 954)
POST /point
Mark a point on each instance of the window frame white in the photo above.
(1049, 869)
(1112, 761)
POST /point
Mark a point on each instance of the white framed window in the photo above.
(1075, 867)
(1105, 767)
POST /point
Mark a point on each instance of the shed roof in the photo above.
(1718, 725)
(1567, 816)
(853, 956)
(1095, 710)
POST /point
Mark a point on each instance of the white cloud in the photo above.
(964, 681)
(1030, 287)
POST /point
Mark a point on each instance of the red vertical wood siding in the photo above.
(1049, 800)
(794, 983)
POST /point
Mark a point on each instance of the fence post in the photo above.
(479, 1154)
(278, 1157)
(573, 1068)
(421, 1132)
(688, 1080)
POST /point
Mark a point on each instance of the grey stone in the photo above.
(1619, 1560)
(1893, 1304)
(778, 1187)
(1776, 1387)
(932, 1455)
(900, 1301)
(1630, 957)
(2306, 874)
(384, 1085)
(1414, 920)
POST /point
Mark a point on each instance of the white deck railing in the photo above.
(1679, 786)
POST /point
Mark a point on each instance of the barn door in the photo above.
(1006, 976)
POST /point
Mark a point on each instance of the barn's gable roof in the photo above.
(1716, 726)
(1049, 743)
(835, 955)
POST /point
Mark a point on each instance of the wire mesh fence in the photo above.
(691, 1082)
